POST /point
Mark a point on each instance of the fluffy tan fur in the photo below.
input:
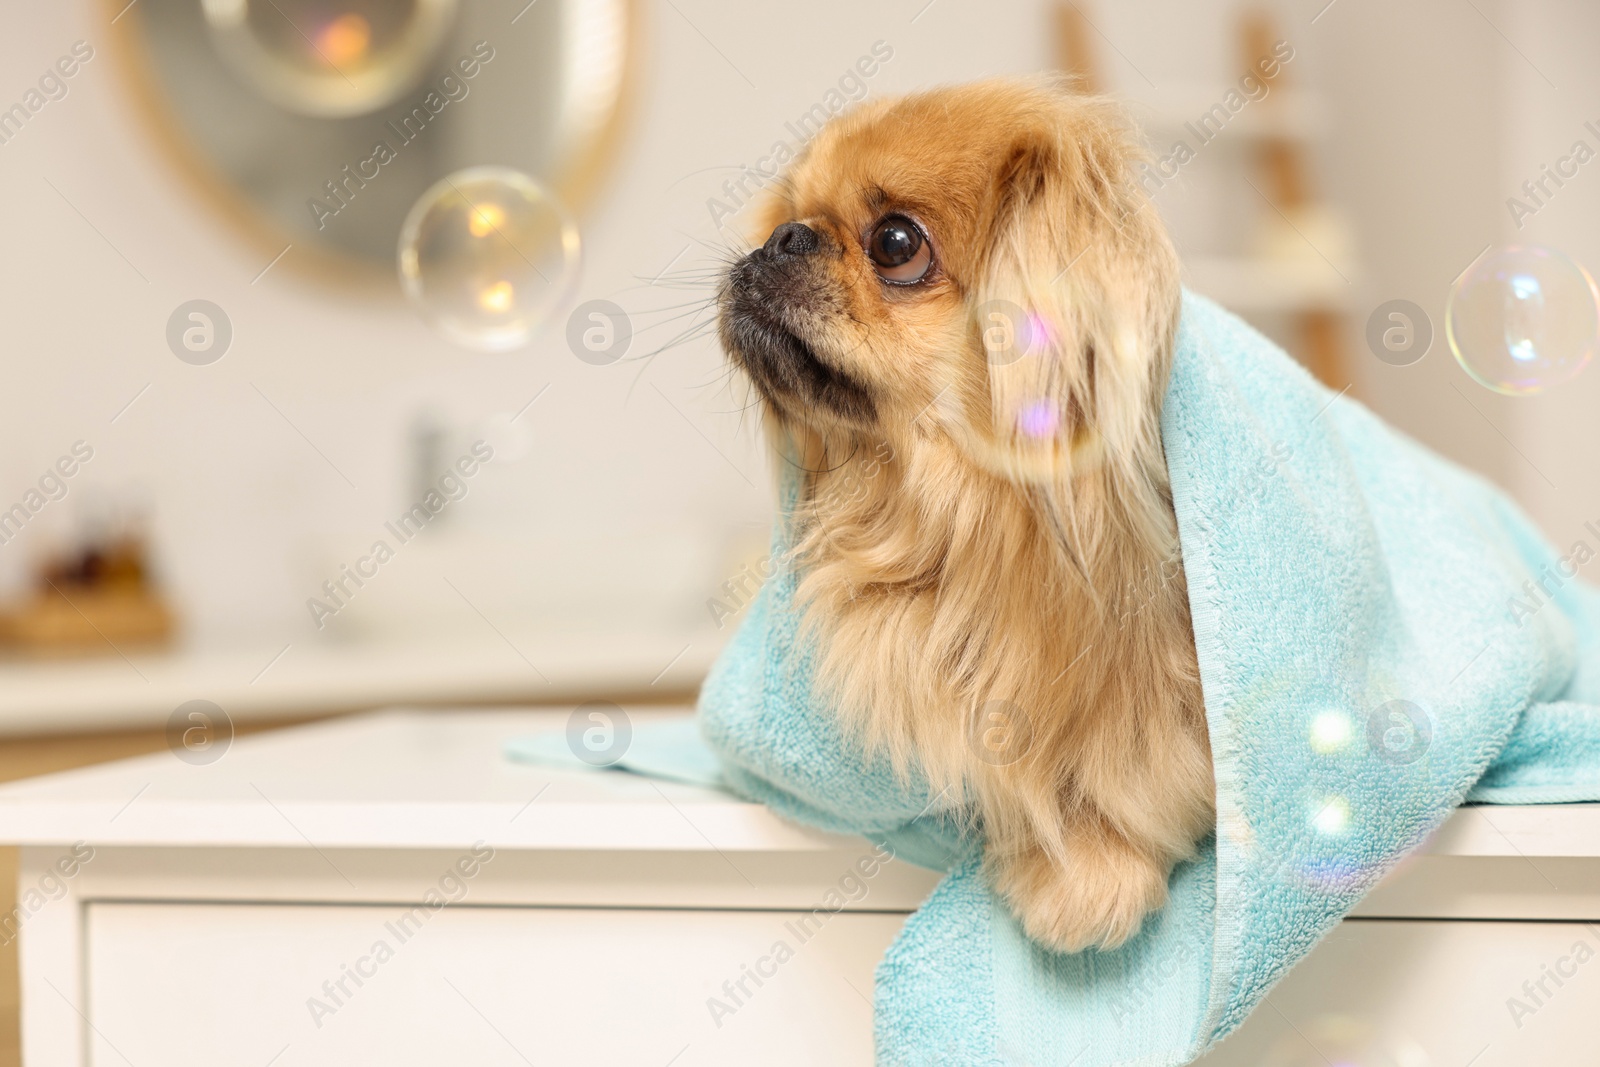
(989, 552)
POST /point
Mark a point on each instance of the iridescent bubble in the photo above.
(1330, 732)
(1523, 318)
(486, 254)
(1039, 419)
(1331, 816)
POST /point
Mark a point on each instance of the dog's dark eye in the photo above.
(898, 251)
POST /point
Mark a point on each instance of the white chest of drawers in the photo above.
(387, 889)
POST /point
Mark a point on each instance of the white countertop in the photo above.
(424, 779)
(298, 679)
(411, 779)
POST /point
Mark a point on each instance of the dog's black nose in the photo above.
(793, 239)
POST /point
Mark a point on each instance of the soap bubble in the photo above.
(1331, 816)
(486, 254)
(1039, 419)
(1330, 732)
(1523, 318)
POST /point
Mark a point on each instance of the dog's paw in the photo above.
(1098, 900)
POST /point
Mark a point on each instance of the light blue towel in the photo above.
(1368, 650)
(671, 750)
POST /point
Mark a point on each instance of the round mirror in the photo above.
(319, 123)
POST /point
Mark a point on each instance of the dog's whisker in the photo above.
(691, 313)
(676, 284)
(728, 250)
(679, 281)
(695, 333)
(699, 305)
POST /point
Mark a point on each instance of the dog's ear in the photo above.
(1076, 302)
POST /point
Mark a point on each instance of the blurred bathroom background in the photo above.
(604, 549)
(218, 400)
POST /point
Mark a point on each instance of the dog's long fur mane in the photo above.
(952, 561)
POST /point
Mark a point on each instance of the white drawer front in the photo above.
(196, 985)
(1431, 994)
(199, 985)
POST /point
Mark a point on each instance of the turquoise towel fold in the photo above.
(671, 750)
(1369, 654)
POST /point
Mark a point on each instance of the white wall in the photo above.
(1414, 155)
(1558, 472)
(1417, 109)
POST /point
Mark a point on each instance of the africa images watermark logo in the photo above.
(52, 86)
(199, 332)
(452, 486)
(851, 887)
(51, 886)
(451, 887)
(343, 187)
(1399, 332)
(850, 88)
(1253, 86)
(1536, 992)
(199, 732)
(1538, 191)
(52, 486)
(1545, 585)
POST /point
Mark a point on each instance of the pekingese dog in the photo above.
(965, 313)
